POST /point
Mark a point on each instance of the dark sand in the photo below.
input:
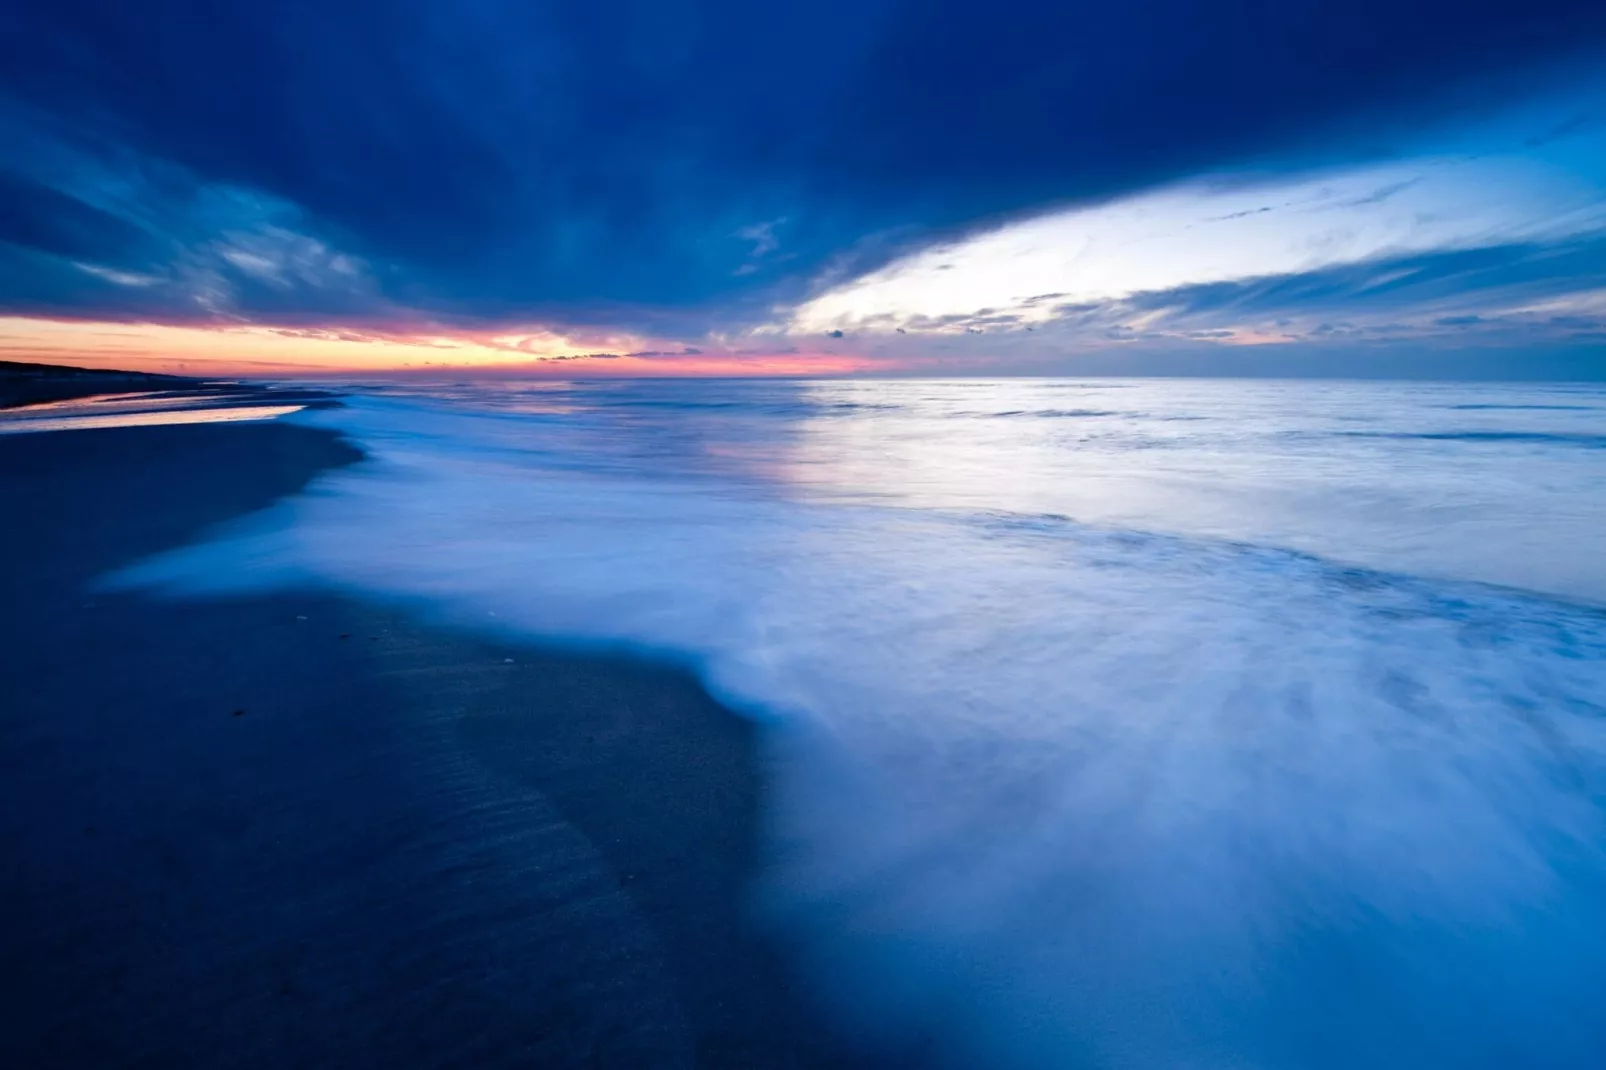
(302, 831)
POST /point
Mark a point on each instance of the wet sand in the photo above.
(301, 830)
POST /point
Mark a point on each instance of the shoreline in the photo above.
(32, 391)
(302, 829)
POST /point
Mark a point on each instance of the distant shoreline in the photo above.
(47, 397)
(33, 384)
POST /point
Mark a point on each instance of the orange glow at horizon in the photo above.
(267, 352)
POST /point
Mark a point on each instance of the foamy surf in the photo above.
(1057, 793)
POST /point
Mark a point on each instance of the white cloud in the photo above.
(762, 235)
(121, 278)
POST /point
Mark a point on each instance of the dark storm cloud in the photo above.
(502, 159)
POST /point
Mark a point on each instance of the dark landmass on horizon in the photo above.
(297, 829)
(23, 383)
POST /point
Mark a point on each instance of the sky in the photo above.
(875, 187)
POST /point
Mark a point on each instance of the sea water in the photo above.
(1127, 724)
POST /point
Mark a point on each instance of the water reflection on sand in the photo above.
(141, 410)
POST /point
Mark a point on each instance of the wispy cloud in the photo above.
(170, 244)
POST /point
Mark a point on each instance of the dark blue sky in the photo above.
(685, 169)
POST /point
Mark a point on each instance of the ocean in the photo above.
(1128, 724)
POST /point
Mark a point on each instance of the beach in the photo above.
(402, 729)
(304, 830)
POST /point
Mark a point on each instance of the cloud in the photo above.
(121, 278)
(1445, 248)
(764, 240)
(143, 237)
(42, 219)
(1414, 309)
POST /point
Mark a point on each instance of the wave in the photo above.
(1558, 438)
(1046, 414)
